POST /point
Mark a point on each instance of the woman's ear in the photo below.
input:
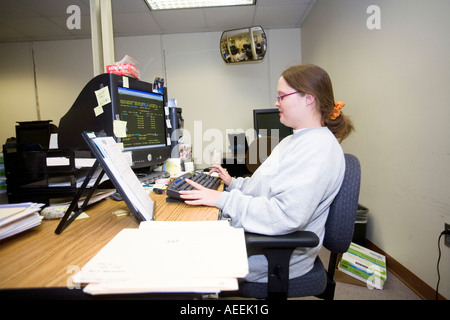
(310, 99)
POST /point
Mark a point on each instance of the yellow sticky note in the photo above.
(125, 82)
(98, 110)
(120, 128)
(103, 96)
(82, 215)
(121, 212)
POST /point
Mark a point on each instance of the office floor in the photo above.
(394, 289)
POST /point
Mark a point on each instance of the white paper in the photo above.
(125, 82)
(98, 110)
(120, 128)
(103, 96)
(15, 218)
(169, 256)
(126, 178)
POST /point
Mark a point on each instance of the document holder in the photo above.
(136, 206)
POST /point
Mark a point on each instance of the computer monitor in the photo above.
(267, 123)
(135, 116)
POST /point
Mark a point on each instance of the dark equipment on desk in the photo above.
(176, 130)
(158, 191)
(123, 100)
(31, 177)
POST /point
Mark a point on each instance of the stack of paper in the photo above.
(18, 217)
(205, 257)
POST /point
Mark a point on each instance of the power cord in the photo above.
(445, 232)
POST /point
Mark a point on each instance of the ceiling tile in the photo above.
(280, 16)
(229, 18)
(52, 8)
(127, 6)
(135, 24)
(34, 20)
(174, 21)
(10, 35)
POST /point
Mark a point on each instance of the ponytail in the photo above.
(341, 127)
(309, 78)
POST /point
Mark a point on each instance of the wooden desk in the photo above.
(39, 258)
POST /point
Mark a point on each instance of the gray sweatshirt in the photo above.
(292, 190)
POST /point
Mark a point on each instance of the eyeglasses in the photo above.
(279, 98)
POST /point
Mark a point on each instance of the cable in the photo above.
(446, 232)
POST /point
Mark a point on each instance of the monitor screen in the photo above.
(267, 123)
(145, 120)
(134, 105)
(144, 114)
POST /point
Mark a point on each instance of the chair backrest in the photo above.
(341, 218)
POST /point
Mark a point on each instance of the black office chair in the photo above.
(278, 249)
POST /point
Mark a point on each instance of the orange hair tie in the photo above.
(336, 110)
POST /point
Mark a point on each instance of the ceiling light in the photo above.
(185, 4)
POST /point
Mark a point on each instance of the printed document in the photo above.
(125, 176)
(187, 256)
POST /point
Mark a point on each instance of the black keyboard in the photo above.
(204, 179)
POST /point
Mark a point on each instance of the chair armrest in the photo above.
(278, 251)
(302, 239)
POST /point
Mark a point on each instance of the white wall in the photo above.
(395, 82)
(62, 70)
(219, 98)
(17, 102)
(216, 97)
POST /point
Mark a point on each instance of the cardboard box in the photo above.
(340, 276)
(365, 266)
(123, 69)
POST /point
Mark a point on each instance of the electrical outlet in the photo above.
(447, 236)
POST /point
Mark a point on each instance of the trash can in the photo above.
(359, 233)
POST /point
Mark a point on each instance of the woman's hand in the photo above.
(200, 196)
(223, 174)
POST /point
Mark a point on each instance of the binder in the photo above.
(112, 162)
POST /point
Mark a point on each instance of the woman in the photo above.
(294, 187)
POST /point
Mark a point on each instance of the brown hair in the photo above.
(311, 79)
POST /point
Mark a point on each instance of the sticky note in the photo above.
(120, 128)
(125, 82)
(121, 212)
(103, 96)
(98, 110)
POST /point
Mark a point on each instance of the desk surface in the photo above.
(40, 258)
